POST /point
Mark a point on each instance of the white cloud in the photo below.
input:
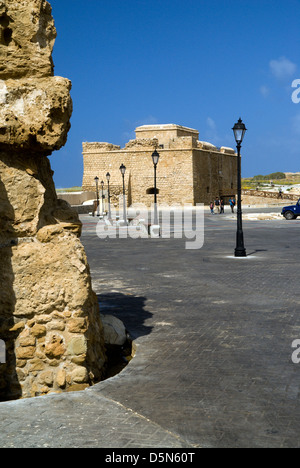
(212, 133)
(282, 68)
(211, 123)
(264, 90)
(150, 120)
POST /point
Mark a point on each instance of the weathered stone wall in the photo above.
(139, 177)
(264, 194)
(188, 171)
(49, 315)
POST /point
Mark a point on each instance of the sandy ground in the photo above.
(261, 216)
(262, 201)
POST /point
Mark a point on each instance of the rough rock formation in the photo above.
(49, 315)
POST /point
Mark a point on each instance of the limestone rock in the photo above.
(27, 35)
(35, 113)
(49, 315)
(114, 330)
(28, 201)
(55, 298)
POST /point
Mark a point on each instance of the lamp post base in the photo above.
(240, 252)
(154, 230)
(122, 223)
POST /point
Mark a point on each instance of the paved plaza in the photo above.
(213, 334)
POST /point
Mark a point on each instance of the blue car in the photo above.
(291, 212)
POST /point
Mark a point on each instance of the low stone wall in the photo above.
(263, 194)
(76, 198)
(82, 209)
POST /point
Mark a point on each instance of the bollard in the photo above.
(2, 352)
(154, 230)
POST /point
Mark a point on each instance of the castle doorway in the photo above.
(151, 191)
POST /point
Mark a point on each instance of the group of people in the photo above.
(217, 206)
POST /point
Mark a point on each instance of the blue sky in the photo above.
(197, 63)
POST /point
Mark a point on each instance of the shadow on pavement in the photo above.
(256, 251)
(129, 309)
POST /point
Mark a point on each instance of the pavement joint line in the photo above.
(126, 408)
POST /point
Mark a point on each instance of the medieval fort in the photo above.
(189, 171)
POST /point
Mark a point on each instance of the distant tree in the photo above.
(277, 175)
(273, 176)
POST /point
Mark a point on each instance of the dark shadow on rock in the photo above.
(129, 309)
(9, 384)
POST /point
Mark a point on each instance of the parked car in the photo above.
(291, 212)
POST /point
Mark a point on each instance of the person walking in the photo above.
(212, 208)
(232, 204)
(222, 206)
(217, 204)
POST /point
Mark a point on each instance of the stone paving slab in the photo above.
(79, 420)
(213, 365)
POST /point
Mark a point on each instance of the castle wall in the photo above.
(188, 171)
(173, 174)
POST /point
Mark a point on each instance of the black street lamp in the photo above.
(123, 170)
(239, 131)
(108, 196)
(97, 192)
(102, 198)
(155, 158)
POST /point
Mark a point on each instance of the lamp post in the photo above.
(239, 131)
(108, 196)
(102, 199)
(155, 158)
(97, 193)
(123, 170)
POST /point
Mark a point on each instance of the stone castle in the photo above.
(189, 171)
